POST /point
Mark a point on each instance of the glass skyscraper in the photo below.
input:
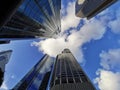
(89, 8)
(4, 58)
(37, 78)
(62, 73)
(68, 75)
(31, 19)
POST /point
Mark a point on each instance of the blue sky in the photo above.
(94, 43)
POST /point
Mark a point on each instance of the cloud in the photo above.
(55, 46)
(76, 38)
(4, 86)
(73, 41)
(69, 20)
(108, 80)
(108, 76)
(114, 24)
(73, 38)
(110, 59)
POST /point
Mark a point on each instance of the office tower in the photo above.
(37, 76)
(89, 8)
(6, 11)
(4, 58)
(68, 75)
(30, 19)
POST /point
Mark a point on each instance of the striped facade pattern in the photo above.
(68, 75)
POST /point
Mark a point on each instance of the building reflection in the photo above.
(38, 76)
(29, 19)
(90, 8)
(4, 59)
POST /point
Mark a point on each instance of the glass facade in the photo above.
(90, 8)
(33, 19)
(4, 58)
(35, 77)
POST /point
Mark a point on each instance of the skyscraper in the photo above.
(4, 58)
(63, 73)
(8, 10)
(37, 78)
(89, 8)
(31, 19)
(68, 75)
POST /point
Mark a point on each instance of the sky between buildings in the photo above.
(95, 43)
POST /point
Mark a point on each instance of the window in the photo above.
(77, 80)
(84, 79)
(57, 81)
(64, 80)
(70, 80)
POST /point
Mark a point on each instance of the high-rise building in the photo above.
(37, 78)
(89, 8)
(68, 75)
(63, 73)
(8, 10)
(29, 19)
(4, 58)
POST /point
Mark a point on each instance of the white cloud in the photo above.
(115, 24)
(74, 41)
(91, 30)
(55, 46)
(108, 80)
(4, 86)
(70, 20)
(94, 29)
(110, 59)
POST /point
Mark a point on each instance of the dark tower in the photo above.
(37, 76)
(31, 19)
(68, 75)
(89, 8)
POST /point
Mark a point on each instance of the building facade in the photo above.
(37, 78)
(31, 19)
(90, 8)
(4, 58)
(68, 75)
(63, 73)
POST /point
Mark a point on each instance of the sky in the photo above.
(95, 43)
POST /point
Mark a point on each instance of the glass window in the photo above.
(77, 80)
(64, 80)
(84, 79)
(57, 81)
(70, 80)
